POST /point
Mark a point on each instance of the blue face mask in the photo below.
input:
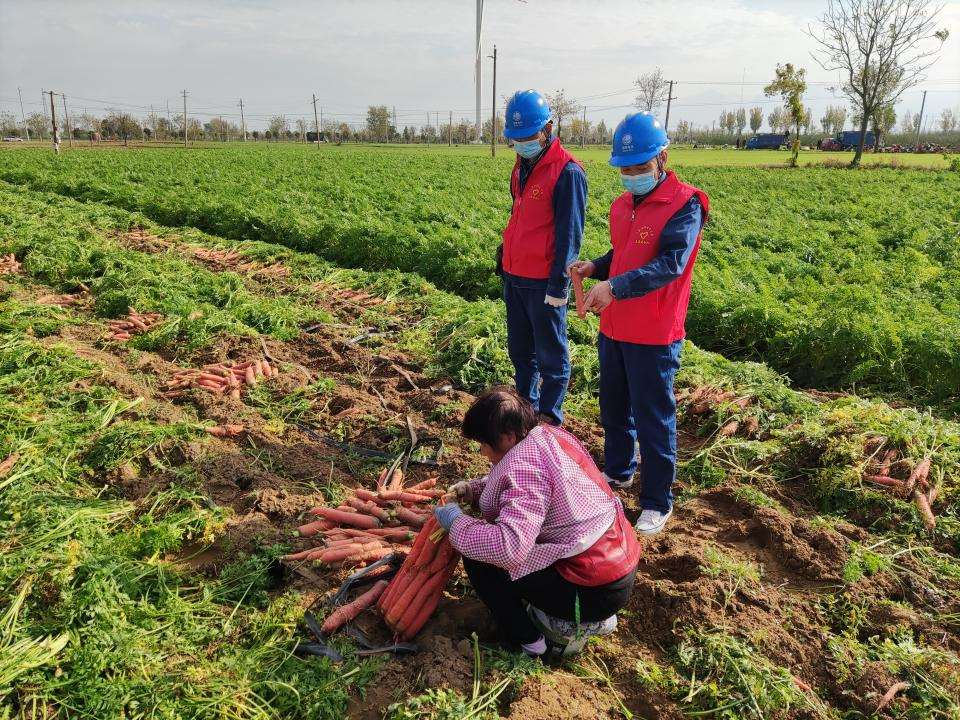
(639, 184)
(529, 149)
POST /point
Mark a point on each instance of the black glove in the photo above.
(498, 269)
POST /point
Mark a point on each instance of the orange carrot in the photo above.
(381, 481)
(396, 480)
(346, 518)
(578, 293)
(404, 496)
(729, 429)
(919, 471)
(891, 693)
(373, 497)
(888, 457)
(311, 529)
(445, 555)
(7, 464)
(883, 480)
(427, 484)
(369, 508)
(349, 611)
(408, 517)
(267, 370)
(928, 518)
(403, 599)
(420, 610)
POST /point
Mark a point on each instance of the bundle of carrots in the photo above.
(224, 378)
(704, 398)
(9, 265)
(413, 594)
(134, 324)
(917, 485)
(68, 299)
(369, 524)
(235, 261)
(349, 295)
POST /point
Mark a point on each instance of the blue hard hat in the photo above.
(527, 113)
(638, 138)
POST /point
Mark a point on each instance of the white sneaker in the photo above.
(651, 522)
(619, 484)
(568, 629)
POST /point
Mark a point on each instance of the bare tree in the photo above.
(880, 48)
(948, 120)
(561, 107)
(652, 89)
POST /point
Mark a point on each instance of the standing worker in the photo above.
(655, 231)
(549, 191)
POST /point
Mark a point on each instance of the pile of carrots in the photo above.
(235, 261)
(348, 295)
(916, 485)
(224, 378)
(134, 324)
(370, 524)
(9, 265)
(413, 594)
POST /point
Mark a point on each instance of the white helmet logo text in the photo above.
(626, 142)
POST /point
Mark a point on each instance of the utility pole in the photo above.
(426, 136)
(316, 122)
(450, 131)
(185, 118)
(23, 115)
(66, 117)
(919, 121)
(243, 123)
(394, 119)
(583, 128)
(493, 108)
(670, 98)
(321, 124)
(53, 121)
(477, 65)
(153, 123)
(169, 121)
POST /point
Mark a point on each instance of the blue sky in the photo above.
(415, 55)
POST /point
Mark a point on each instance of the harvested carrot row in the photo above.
(350, 611)
(133, 324)
(884, 480)
(9, 265)
(222, 378)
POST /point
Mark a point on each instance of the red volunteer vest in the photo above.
(529, 235)
(658, 317)
(616, 552)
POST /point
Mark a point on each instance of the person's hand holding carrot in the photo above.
(578, 270)
(599, 297)
(583, 268)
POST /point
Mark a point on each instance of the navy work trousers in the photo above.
(637, 406)
(537, 343)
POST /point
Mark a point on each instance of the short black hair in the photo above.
(499, 411)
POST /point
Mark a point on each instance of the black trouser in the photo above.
(546, 590)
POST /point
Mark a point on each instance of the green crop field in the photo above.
(140, 571)
(838, 279)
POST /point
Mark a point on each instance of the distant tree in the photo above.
(561, 107)
(344, 132)
(884, 119)
(652, 91)
(8, 125)
(120, 125)
(741, 121)
(39, 125)
(279, 126)
(910, 123)
(948, 120)
(808, 120)
(301, 124)
(790, 84)
(833, 119)
(255, 134)
(756, 119)
(601, 132)
(778, 120)
(378, 122)
(880, 47)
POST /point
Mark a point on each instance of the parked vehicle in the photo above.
(766, 141)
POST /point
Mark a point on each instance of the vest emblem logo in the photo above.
(643, 235)
(536, 192)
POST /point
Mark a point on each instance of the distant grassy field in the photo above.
(679, 156)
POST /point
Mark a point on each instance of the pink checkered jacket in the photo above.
(537, 507)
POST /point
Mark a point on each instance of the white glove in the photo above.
(462, 491)
(554, 301)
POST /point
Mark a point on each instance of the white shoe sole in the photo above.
(618, 484)
(656, 529)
